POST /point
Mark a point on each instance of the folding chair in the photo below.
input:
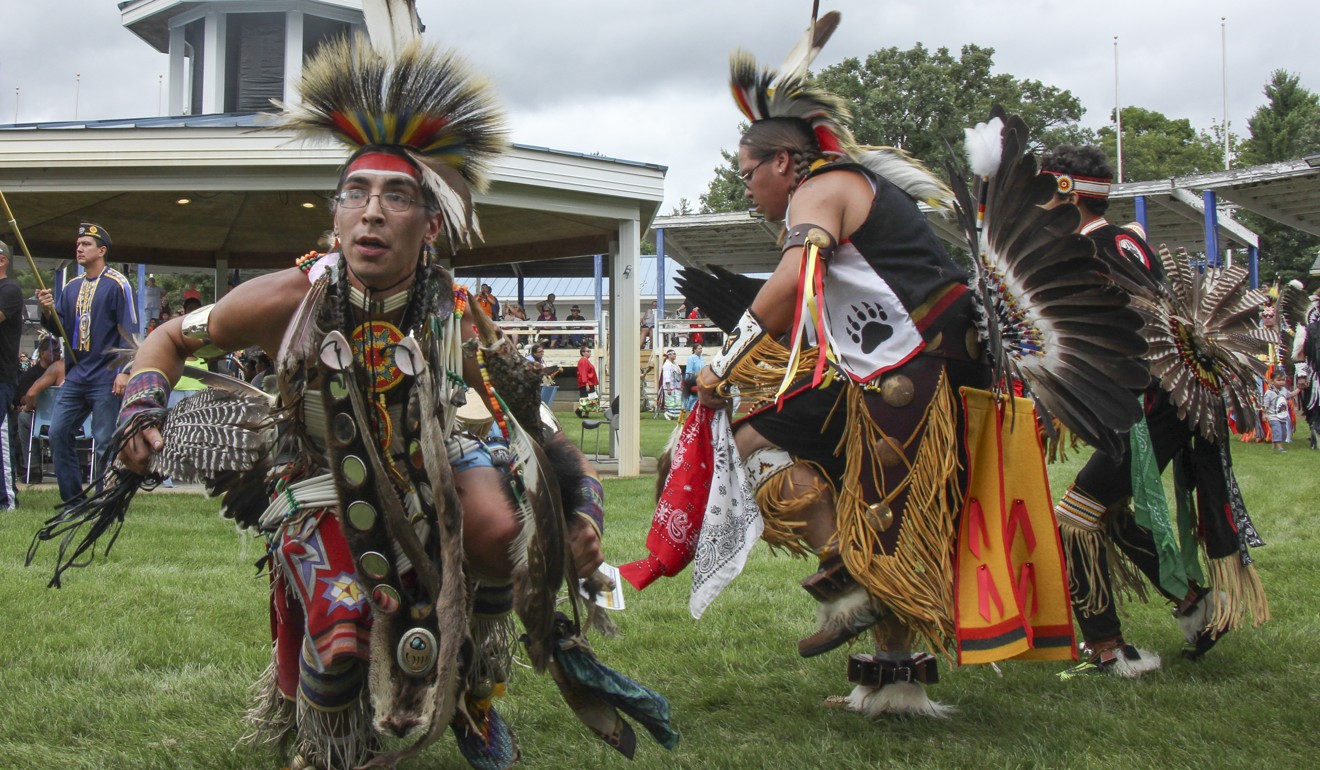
(39, 436)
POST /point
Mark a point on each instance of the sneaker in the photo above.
(1118, 659)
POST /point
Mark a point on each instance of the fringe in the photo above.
(270, 718)
(494, 637)
(1238, 591)
(764, 368)
(335, 740)
(1125, 578)
(915, 582)
(1058, 445)
(782, 502)
(1083, 547)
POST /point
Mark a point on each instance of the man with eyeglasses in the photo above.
(345, 330)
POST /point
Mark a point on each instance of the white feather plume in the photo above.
(985, 146)
(908, 174)
(391, 24)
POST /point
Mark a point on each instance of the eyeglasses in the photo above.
(746, 176)
(390, 201)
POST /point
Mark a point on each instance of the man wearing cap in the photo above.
(11, 328)
(95, 310)
(577, 340)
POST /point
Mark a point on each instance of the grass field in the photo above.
(144, 660)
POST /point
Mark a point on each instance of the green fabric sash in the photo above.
(1151, 511)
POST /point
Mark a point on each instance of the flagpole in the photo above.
(1118, 114)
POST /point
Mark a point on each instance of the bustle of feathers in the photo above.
(908, 174)
(212, 433)
(1051, 317)
(1206, 350)
(423, 99)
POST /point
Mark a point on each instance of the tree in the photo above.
(1286, 127)
(921, 100)
(725, 192)
(1158, 147)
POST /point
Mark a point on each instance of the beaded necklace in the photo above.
(83, 309)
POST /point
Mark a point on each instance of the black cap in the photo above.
(96, 231)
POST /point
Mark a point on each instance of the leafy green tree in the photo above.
(725, 192)
(1286, 127)
(921, 100)
(1158, 147)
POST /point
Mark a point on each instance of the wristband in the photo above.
(148, 389)
(737, 345)
(592, 504)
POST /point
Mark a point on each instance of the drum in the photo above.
(474, 416)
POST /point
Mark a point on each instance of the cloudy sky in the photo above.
(645, 81)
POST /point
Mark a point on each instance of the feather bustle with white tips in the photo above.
(1050, 316)
(908, 174)
(1205, 346)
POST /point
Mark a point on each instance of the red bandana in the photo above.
(678, 517)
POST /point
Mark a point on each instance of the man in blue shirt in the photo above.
(694, 364)
(96, 308)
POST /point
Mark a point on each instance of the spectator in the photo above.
(11, 329)
(679, 339)
(514, 313)
(1278, 411)
(648, 327)
(93, 308)
(151, 300)
(152, 324)
(694, 337)
(488, 303)
(190, 304)
(165, 315)
(671, 382)
(586, 374)
(547, 372)
(191, 293)
(580, 339)
(547, 313)
(694, 363)
(47, 371)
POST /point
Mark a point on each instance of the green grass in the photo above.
(144, 659)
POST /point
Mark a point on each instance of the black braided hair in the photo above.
(766, 137)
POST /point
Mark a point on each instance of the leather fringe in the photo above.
(915, 582)
(761, 372)
(782, 502)
(1237, 591)
(1083, 549)
(270, 718)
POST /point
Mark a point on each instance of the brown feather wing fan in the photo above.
(1206, 347)
(1052, 317)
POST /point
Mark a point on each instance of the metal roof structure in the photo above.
(1287, 192)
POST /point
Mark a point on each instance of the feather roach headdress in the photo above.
(415, 97)
(787, 92)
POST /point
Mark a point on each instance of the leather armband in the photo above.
(737, 344)
(148, 389)
(807, 234)
(197, 326)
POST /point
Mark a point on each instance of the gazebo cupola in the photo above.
(236, 55)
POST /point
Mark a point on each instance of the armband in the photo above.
(591, 504)
(197, 326)
(807, 234)
(737, 345)
(148, 389)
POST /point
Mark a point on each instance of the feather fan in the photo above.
(721, 294)
(215, 434)
(1051, 318)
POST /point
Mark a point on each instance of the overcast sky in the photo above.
(646, 81)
